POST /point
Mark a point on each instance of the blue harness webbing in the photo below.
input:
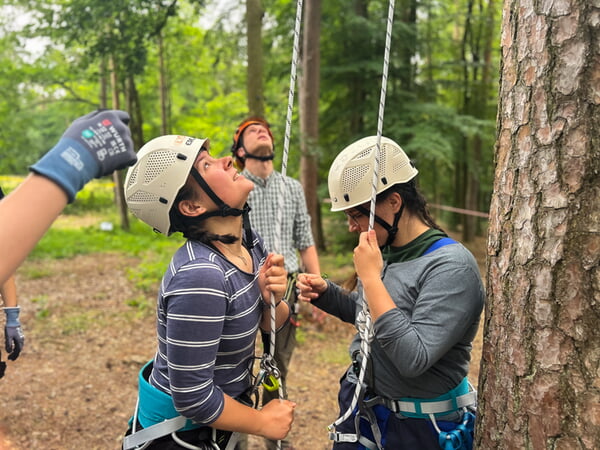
(156, 406)
(155, 412)
(438, 244)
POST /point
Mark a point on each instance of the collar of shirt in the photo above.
(258, 180)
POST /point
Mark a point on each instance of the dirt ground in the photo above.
(75, 384)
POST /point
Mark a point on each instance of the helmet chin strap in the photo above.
(392, 230)
(260, 158)
(223, 209)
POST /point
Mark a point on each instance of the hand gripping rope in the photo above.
(365, 325)
(270, 361)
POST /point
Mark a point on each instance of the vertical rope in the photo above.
(284, 159)
(364, 318)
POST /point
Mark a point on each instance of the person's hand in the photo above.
(368, 261)
(13, 334)
(310, 286)
(94, 145)
(278, 415)
(272, 278)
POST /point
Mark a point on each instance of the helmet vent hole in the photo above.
(346, 197)
(353, 176)
(181, 156)
(157, 163)
(384, 180)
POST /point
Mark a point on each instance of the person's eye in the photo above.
(206, 164)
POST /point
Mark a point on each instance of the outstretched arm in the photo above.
(94, 145)
(27, 213)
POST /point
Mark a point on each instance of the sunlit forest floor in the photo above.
(75, 384)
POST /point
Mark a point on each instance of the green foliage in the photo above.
(435, 103)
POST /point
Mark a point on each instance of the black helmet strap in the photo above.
(392, 230)
(224, 210)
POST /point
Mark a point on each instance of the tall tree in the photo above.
(541, 358)
(254, 15)
(309, 114)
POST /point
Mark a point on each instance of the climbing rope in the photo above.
(364, 323)
(284, 159)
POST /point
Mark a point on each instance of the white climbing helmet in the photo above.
(351, 174)
(161, 170)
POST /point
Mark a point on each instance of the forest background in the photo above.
(182, 67)
(198, 67)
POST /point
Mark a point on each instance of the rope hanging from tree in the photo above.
(364, 323)
(286, 145)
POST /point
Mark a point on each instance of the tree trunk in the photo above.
(254, 15)
(358, 90)
(539, 380)
(309, 114)
(164, 93)
(117, 175)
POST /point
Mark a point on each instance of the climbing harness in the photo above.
(155, 412)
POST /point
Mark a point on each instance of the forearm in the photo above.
(238, 417)
(338, 302)
(8, 292)
(31, 207)
(310, 260)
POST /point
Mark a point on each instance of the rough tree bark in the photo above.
(309, 114)
(540, 379)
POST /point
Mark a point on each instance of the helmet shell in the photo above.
(351, 173)
(245, 124)
(161, 170)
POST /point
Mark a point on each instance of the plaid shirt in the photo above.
(295, 230)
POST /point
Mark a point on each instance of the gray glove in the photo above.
(94, 145)
(13, 334)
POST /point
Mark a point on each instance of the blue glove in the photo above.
(13, 334)
(94, 145)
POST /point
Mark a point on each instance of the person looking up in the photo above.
(213, 298)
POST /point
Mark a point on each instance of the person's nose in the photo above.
(227, 162)
(353, 225)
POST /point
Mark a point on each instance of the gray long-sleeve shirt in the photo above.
(421, 348)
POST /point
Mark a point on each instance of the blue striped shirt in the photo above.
(208, 313)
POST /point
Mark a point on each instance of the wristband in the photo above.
(268, 305)
(12, 316)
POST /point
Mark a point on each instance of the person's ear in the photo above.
(395, 201)
(191, 208)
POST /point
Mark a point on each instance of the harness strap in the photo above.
(423, 408)
(153, 432)
(342, 437)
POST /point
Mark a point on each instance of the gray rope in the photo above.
(286, 146)
(364, 319)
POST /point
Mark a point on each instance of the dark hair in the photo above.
(192, 227)
(413, 201)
